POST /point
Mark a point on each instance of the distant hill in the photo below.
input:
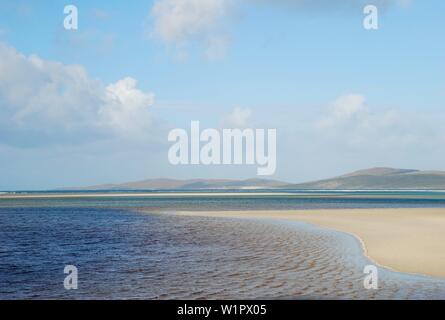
(378, 179)
(369, 179)
(170, 184)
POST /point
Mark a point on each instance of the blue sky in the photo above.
(341, 97)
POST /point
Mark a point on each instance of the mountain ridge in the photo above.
(169, 184)
(377, 178)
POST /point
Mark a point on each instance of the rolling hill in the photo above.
(172, 184)
(369, 179)
(379, 179)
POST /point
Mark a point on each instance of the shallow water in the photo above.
(296, 200)
(122, 253)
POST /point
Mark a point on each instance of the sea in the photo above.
(135, 247)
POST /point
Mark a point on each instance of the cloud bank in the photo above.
(44, 102)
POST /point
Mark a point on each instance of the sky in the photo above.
(95, 105)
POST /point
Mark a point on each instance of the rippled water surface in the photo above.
(123, 253)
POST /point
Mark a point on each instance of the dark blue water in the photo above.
(121, 252)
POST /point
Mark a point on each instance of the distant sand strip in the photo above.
(405, 240)
(136, 194)
(216, 194)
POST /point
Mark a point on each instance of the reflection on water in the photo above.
(125, 254)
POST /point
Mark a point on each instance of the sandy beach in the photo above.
(405, 240)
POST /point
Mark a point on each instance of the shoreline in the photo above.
(141, 194)
(25, 196)
(410, 241)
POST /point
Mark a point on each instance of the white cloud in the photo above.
(179, 22)
(351, 121)
(343, 109)
(43, 101)
(238, 118)
(351, 110)
(126, 108)
(348, 106)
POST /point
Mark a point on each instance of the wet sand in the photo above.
(405, 240)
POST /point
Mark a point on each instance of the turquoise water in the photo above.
(123, 253)
(245, 201)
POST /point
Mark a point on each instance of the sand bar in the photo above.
(405, 240)
(138, 194)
